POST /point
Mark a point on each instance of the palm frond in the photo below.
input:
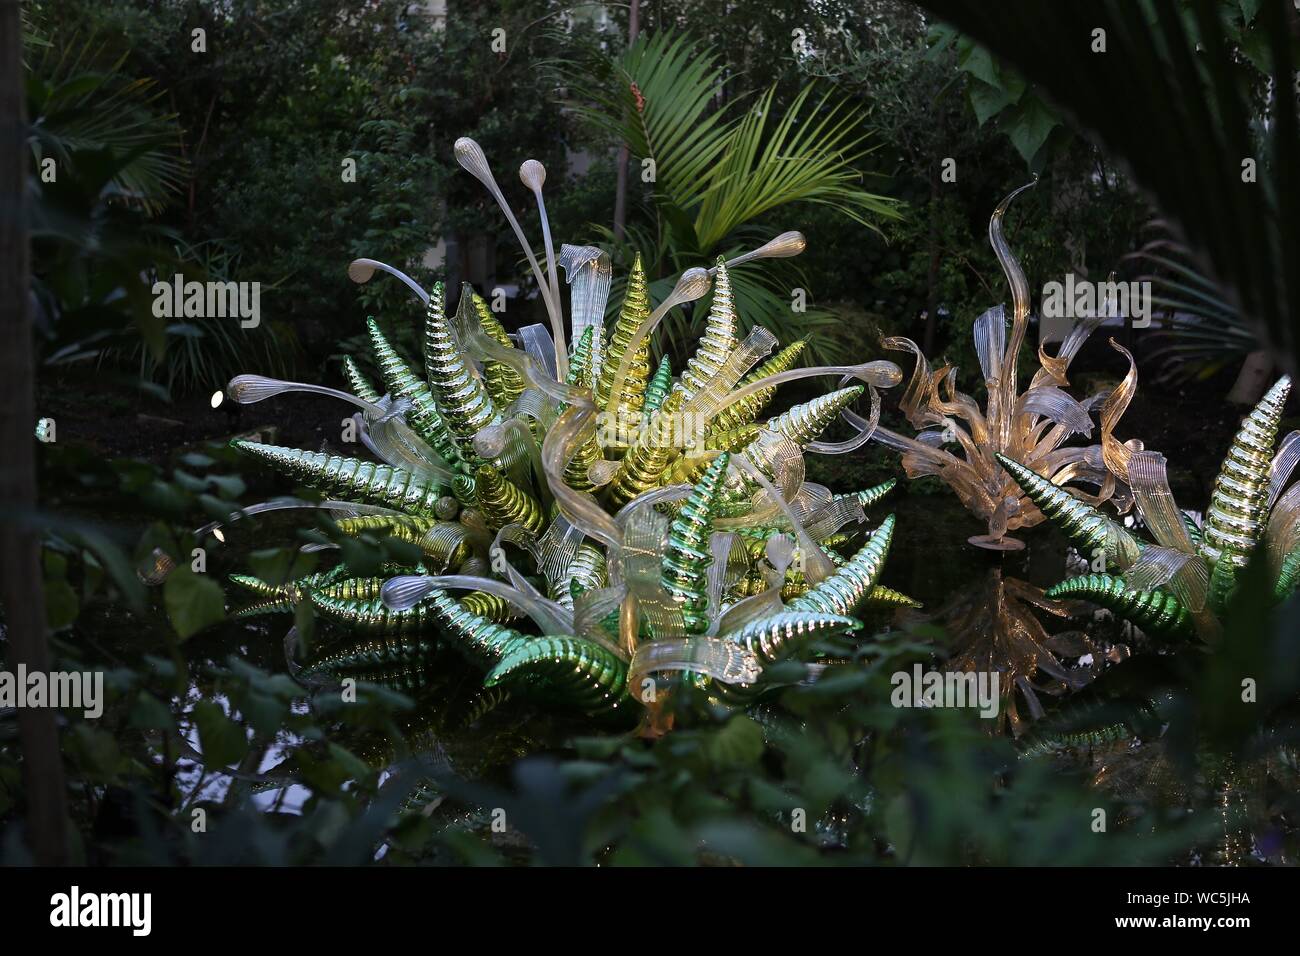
(717, 174)
(80, 109)
(657, 99)
(808, 155)
(1200, 331)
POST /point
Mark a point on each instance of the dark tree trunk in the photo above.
(20, 559)
(620, 186)
(932, 277)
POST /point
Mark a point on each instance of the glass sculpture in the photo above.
(992, 628)
(1030, 426)
(592, 534)
(1179, 586)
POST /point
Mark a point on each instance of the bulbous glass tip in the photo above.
(532, 174)
(470, 156)
(156, 568)
(246, 389)
(783, 246)
(693, 285)
(406, 591)
(490, 441)
(360, 271)
(884, 374)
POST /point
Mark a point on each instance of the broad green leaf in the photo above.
(222, 741)
(1028, 126)
(978, 62)
(279, 565)
(987, 101)
(193, 601)
(150, 713)
(737, 743)
(61, 603)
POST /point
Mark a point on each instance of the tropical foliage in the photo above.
(713, 174)
(1200, 333)
(1234, 149)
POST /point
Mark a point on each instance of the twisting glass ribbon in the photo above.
(587, 270)
(1284, 462)
(779, 551)
(1173, 562)
(817, 566)
(723, 661)
(408, 590)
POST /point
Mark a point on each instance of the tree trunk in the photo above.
(620, 186)
(1252, 379)
(20, 558)
(932, 277)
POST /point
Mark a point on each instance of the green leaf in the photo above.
(1028, 126)
(222, 741)
(264, 712)
(1013, 83)
(977, 61)
(352, 765)
(96, 750)
(150, 713)
(938, 39)
(900, 825)
(187, 481)
(61, 604)
(1255, 47)
(987, 101)
(232, 486)
(281, 565)
(193, 601)
(737, 743)
(110, 556)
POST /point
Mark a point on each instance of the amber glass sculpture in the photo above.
(958, 441)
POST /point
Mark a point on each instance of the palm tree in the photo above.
(1201, 333)
(715, 171)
